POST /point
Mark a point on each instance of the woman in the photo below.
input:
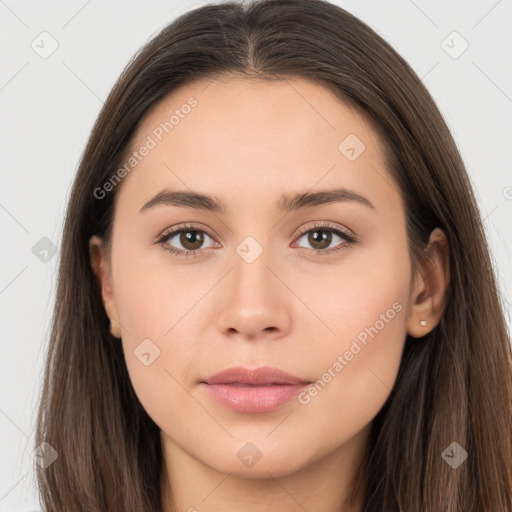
(202, 357)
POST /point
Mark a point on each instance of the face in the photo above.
(319, 289)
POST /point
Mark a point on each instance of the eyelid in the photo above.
(325, 224)
(184, 227)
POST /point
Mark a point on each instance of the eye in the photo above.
(190, 238)
(321, 236)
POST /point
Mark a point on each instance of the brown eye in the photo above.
(191, 240)
(321, 237)
(185, 241)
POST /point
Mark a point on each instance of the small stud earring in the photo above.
(423, 323)
(111, 328)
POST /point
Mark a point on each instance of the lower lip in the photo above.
(253, 399)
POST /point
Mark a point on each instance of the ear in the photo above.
(430, 285)
(101, 268)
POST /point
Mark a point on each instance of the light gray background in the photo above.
(48, 107)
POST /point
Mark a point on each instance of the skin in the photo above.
(248, 142)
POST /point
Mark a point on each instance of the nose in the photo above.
(254, 301)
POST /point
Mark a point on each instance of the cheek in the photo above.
(153, 295)
(155, 302)
(357, 366)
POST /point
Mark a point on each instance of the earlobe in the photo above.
(430, 288)
(101, 270)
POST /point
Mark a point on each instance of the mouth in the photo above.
(253, 391)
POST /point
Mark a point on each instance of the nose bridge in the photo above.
(251, 262)
(259, 255)
(253, 298)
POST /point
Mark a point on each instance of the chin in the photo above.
(251, 462)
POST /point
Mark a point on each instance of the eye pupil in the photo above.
(324, 238)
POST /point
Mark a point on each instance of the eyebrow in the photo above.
(286, 203)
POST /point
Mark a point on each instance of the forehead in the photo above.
(295, 108)
(254, 136)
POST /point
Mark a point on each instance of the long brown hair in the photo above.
(454, 385)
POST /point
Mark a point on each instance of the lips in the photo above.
(258, 390)
(262, 376)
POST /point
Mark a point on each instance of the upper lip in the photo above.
(264, 375)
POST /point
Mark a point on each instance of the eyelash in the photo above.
(349, 239)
